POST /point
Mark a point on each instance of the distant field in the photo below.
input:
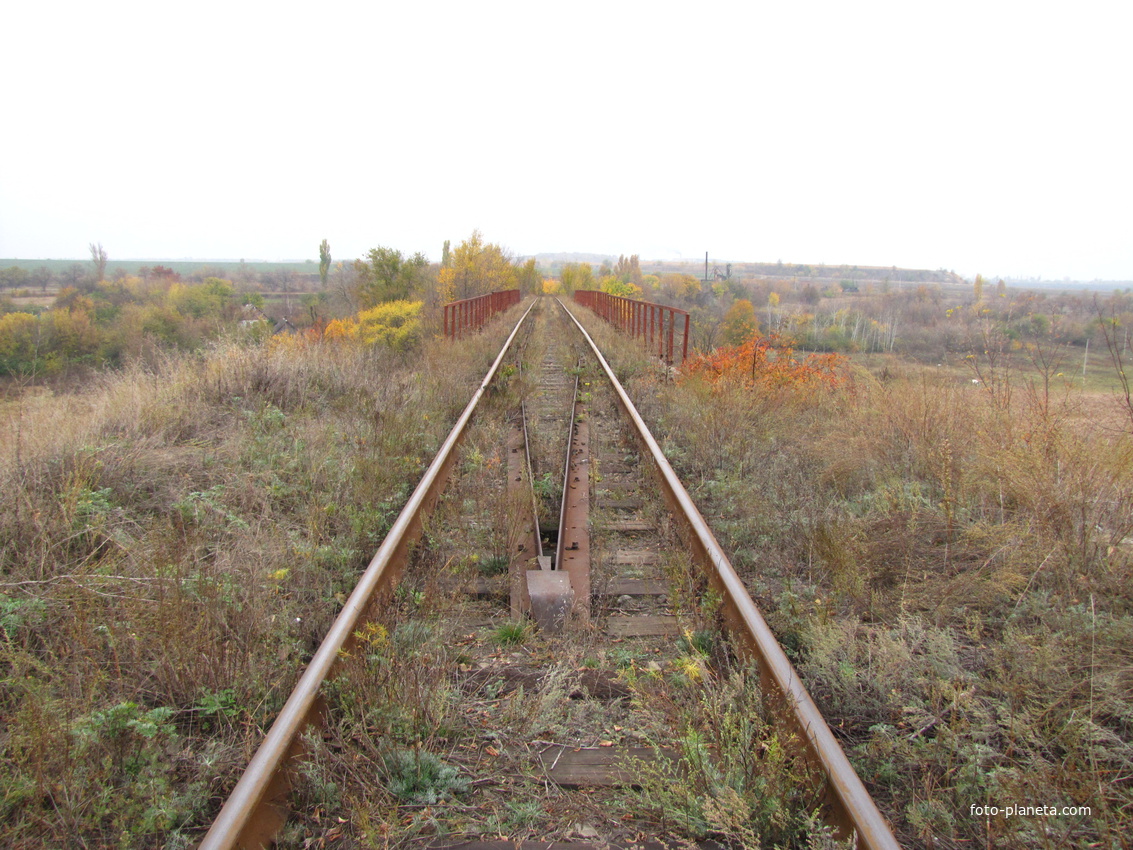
(1099, 380)
(37, 300)
(220, 268)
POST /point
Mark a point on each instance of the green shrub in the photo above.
(420, 778)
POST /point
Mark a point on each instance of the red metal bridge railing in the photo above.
(471, 314)
(653, 323)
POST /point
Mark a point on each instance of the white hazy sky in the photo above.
(990, 136)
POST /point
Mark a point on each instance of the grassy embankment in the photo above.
(949, 565)
(946, 562)
(447, 708)
(174, 541)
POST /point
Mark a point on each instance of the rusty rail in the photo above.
(651, 322)
(257, 807)
(572, 551)
(470, 314)
(853, 808)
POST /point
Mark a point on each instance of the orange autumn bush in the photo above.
(768, 362)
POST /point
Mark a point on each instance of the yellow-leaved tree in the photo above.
(19, 343)
(616, 286)
(576, 276)
(476, 268)
(740, 323)
(396, 324)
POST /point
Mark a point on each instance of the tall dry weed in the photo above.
(949, 564)
(174, 541)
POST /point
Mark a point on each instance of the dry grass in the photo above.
(174, 540)
(949, 566)
(448, 706)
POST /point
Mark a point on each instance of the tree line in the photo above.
(380, 298)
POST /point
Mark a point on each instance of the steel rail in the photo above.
(525, 541)
(564, 504)
(572, 549)
(531, 481)
(527, 461)
(256, 809)
(854, 809)
(521, 480)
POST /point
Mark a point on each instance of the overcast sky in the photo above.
(990, 137)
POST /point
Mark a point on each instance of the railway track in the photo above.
(567, 656)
